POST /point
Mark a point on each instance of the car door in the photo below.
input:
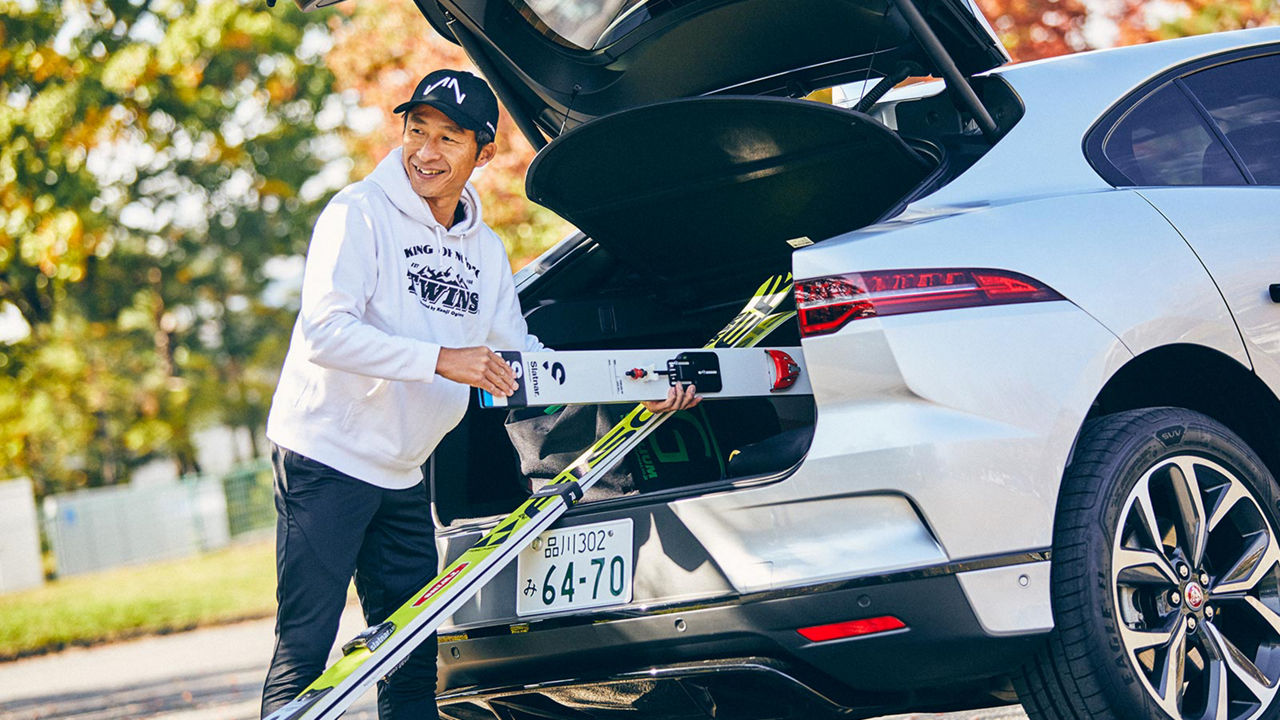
(1204, 148)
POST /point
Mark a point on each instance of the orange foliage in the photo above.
(1197, 17)
(1032, 29)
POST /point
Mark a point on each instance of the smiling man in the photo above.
(404, 294)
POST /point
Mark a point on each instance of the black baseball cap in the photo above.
(465, 98)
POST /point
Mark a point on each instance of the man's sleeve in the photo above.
(510, 331)
(340, 276)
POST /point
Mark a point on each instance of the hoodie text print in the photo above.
(385, 287)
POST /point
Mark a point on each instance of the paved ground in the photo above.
(213, 674)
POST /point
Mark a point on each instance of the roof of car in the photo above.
(1063, 98)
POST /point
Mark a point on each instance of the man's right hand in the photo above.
(478, 367)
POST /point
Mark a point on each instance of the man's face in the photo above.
(439, 156)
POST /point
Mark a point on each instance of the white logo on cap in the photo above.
(447, 82)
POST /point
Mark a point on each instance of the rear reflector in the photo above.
(851, 628)
(827, 304)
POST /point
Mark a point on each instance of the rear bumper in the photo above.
(743, 688)
(743, 653)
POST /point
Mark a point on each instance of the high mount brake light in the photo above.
(827, 304)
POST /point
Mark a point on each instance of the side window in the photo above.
(1163, 140)
(1243, 98)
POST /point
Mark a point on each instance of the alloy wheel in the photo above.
(1195, 581)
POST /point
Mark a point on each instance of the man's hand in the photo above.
(478, 367)
(678, 398)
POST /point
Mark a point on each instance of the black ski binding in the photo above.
(702, 369)
(369, 638)
(570, 491)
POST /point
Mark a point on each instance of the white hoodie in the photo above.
(385, 287)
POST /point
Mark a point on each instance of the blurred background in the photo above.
(161, 165)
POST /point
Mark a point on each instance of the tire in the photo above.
(1182, 622)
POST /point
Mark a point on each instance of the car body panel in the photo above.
(1011, 600)
(1240, 247)
(793, 533)
(1085, 246)
(953, 401)
(918, 405)
(1051, 132)
(942, 643)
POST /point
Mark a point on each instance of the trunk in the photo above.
(690, 188)
(707, 198)
(495, 458)
(253, 429)
(686, 206)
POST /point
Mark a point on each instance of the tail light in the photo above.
(827, 304)
(851, 628)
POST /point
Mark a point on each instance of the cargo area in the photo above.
(496, 457)
(684, 208)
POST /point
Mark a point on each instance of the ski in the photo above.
(614, 376)
(379, 650)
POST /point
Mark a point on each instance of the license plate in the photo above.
(587, 566)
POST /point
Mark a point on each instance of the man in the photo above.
(404, 293)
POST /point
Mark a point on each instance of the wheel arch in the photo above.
(1198, 378)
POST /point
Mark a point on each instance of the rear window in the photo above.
(1244, 100)
(1213, 121)
(590, 24)
(1163, 140)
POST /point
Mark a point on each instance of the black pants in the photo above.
(329, 528)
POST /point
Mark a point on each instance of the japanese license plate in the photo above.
(587, 566)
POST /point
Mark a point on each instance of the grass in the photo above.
(237, 583)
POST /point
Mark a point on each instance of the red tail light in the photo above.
(851, 628)
(827, 304)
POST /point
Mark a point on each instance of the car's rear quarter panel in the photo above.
(972, 413)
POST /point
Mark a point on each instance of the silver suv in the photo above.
(1038, 306)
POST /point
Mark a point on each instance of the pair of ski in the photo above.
(379, 650)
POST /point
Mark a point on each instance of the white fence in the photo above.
(104, 527)
(20, 566)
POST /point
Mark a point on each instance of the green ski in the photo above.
(377, 651)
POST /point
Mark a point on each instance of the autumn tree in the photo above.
(1193, 17)
(1032, 29)
(157, 155)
